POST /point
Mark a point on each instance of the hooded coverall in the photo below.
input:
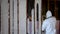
(49, 24)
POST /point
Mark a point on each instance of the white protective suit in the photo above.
(49, 24)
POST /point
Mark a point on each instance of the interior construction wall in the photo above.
(4, 16)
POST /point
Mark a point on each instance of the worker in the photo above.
(49, 23)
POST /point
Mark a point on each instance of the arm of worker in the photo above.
(43, 26)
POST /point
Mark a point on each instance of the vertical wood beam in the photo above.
(11, 16)
(32, 21)
(39, 3)
(22, 16)
(15, 17)
(4, 16)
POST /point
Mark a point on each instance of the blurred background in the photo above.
(54, 7)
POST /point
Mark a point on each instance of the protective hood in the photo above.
(48, 14)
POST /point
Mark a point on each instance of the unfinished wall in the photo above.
(4, 16)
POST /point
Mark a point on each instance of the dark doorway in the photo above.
(30, 6)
